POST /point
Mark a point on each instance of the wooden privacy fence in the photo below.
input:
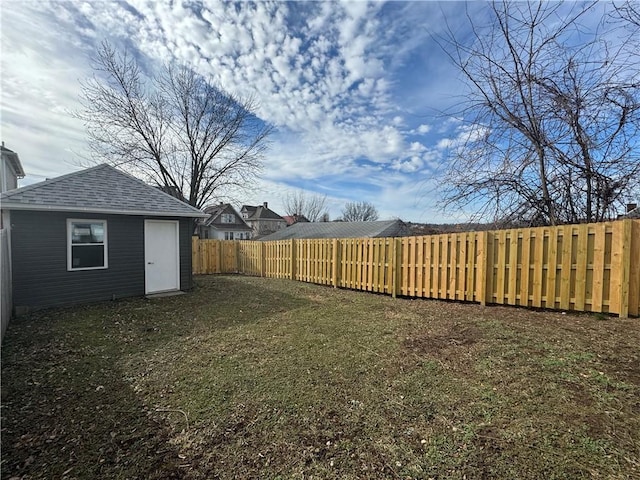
(587, 267)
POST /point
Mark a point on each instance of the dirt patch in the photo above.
(623, 362)
(595, 424)
(458, 335)
(578, 394)
(488, 439)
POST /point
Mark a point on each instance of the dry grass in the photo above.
(258, 378)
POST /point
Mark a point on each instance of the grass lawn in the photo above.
(261, 378)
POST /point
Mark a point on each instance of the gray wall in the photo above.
(39, 254)
(186, 272)
(5, 281)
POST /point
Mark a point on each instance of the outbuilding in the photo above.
(97, 234)
(373, 229)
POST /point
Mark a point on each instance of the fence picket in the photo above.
(525, 268)
(565, 272)
(538, 268)
(513, 268)
(501, 266)
(552, 269)
(634, 272)
(581, 268)
(452, 264)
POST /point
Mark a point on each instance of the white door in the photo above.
(161, 256)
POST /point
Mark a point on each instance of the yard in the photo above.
(262, 378)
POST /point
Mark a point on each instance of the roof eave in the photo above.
(62, 208)
(229, 226)
(15, 163)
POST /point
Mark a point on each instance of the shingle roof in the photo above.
(291, 219)
(212, 211)
(384, 228)
(260, 213)
(214, 220)
(100, 189)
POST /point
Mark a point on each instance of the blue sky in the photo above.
(356, 91)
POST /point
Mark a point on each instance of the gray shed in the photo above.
(97, 234)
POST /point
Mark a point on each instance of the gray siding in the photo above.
(39, 253)
(6, 305)
(187, 226)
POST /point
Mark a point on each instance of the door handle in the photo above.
(149, 263)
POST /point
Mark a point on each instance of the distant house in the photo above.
(633, 211)
(223, 223)
(97, 234)
(10, 169)
(262, 220)
(291, 219)
(388, 228)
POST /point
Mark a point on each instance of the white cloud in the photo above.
(35, 105)
(463, 134)
(324, 73)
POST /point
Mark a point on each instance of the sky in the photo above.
(360, 94)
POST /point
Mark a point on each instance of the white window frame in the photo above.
(70, 244)
(228, 218)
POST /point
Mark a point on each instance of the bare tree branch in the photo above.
(628, 11)
(552, 126)
(177, 130)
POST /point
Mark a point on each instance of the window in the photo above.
(228, 218)
(86, 244)
(228, 235)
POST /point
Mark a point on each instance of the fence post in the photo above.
(293, 259)
(336, 267)
(634, 261)
(396, 252)
(263, 247)
(220, 257)
(624, 245)
(237, 242)
(485, 267)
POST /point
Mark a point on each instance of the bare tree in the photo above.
(628, 11)
(552, 125)
(359, 212)
(177, 129)
(312, 207)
